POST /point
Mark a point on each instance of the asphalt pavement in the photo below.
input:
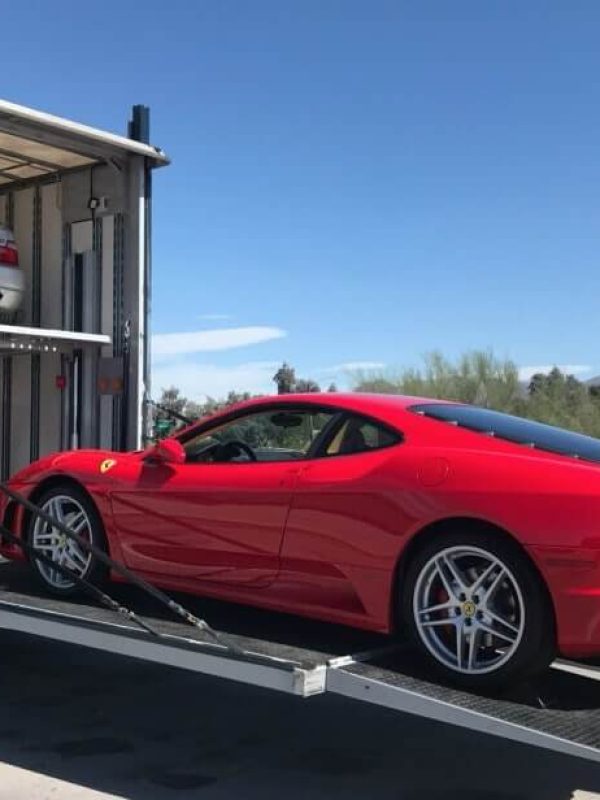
(83, 725)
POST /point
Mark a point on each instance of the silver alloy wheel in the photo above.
(58, 546)
(468, 609)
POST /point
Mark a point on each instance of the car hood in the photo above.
(84, 464)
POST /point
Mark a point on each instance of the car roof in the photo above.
(389, 408)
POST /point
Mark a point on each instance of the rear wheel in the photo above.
(73, 508)
(477, 610)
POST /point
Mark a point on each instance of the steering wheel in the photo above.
(231, 448)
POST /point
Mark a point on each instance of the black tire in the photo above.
(95, 572)
(537, 644)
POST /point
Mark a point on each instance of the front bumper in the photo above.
(12, 517)
(573, 578)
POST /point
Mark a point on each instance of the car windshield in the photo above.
(514, 429)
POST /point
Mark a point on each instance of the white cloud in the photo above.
(199, 381)
(167, 345)
(215, 317)
(526, 373)
(352, 366)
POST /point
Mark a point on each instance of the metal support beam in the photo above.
(7, 363)
(36, 305)
(118, 319)
(97, 251)
(34, 433)
(42, 180)
(36, 266)
(6, 417)
(6, 174)
(26, 161)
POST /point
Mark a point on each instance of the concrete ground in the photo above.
(81, 725)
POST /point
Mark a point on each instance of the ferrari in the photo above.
(474, 533)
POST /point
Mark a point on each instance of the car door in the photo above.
(345, 519)
(218, 518)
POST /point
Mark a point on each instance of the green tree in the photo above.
(193, 410)
(285, 379)
(560, 399)
(482, 379)
(477, 377)
(164, 422)
(306, 385)
(287, 383)
(173, 400)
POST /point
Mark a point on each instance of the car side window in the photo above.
(279, 434)
(360, 435)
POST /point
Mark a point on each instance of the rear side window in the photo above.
(359, 435)
(515, 429)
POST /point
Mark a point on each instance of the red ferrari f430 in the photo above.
(474, 532)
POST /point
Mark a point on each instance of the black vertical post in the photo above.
(139, 124)
(126, 383)
(6, 415)
(139, 129)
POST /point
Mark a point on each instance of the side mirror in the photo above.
(168, 451)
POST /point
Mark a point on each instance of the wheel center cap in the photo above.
(469, 609)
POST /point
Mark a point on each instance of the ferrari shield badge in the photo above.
(107, 464)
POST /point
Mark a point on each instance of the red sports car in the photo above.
(476, 532)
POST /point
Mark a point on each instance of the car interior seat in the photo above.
(353, 440)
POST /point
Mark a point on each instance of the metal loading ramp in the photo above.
(560, 711)
(23, 608)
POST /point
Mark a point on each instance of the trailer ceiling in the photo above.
(36, 145)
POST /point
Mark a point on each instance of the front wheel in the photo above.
(477, 610)
(73, 508)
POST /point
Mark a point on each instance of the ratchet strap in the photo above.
(87, 586)
(120, 569)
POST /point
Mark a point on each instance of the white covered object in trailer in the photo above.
(74, 368)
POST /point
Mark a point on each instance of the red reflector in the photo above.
(9, 256)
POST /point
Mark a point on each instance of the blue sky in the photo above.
(352, 182)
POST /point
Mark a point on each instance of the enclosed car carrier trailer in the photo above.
(74, 366)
